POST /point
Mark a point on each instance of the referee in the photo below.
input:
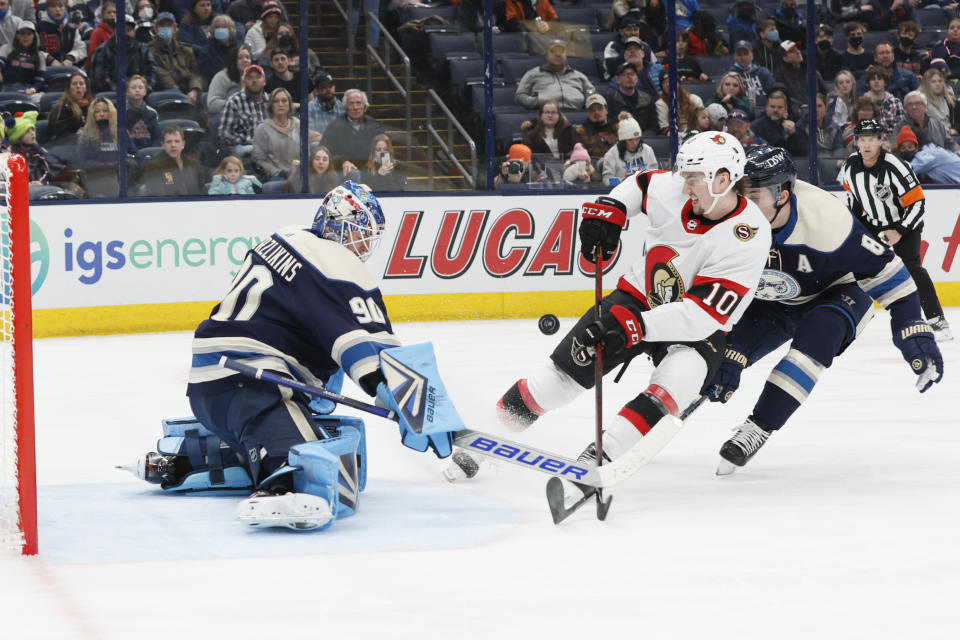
(884, 193)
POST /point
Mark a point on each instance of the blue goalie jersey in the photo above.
(301, 306)
(823, 245)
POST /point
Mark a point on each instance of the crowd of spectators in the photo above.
(742, 67)
(213, 93)
(212, 101)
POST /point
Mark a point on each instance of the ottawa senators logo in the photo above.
(664, 284)
(744, 232)
(719, 139)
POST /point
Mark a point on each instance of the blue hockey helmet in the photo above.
(772, 167)
(351, 216)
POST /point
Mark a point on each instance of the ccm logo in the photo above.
(597, 212)
(557, 467)
(633, 333)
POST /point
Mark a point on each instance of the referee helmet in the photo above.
(868, 127)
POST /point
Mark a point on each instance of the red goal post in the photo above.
(18, 476)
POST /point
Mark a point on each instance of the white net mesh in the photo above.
(11, 535)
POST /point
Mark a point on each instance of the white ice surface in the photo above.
(844, 526)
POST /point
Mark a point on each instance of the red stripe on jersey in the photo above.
(643, 183)
(664, 396)
(528, 398)
(636, 420)
(699, 225)
(717, 296)
(624, 285)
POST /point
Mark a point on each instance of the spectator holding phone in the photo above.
(380, 172)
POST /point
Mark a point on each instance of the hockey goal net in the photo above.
(18, 485)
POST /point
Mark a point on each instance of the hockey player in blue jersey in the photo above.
(824, 271)
(302, 306)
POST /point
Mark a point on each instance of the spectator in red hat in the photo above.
(243, 111)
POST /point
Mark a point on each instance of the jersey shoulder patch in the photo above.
(823, 221)
(333, 261)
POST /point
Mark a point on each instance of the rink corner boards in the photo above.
(185, 316)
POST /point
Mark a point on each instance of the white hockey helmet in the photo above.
(710, 151)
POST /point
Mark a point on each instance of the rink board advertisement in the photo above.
(154, 266)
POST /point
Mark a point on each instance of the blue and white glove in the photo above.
(919, 349)
(727, 378)
(440, 442)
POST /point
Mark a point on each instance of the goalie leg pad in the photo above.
(329, 469)
(214, 466)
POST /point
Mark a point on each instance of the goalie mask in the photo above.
(351, 216)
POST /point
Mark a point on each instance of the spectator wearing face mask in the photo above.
(931, 163)
(829, 60)
(766, 51)
(176, 66)
(855, 57)
(758, 80)
(789, 22)
(9, 24)
(742, 21)
(138, 56)
(213, 56)
(905, 53)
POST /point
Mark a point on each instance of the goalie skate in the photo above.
(298, 511)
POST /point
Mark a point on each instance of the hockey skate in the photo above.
(564, 497)
(280, 508)
(744, 444)
(941, 329)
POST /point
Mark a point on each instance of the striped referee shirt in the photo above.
(885, 196)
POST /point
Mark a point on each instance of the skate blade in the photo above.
(297, 511)
(726, 468)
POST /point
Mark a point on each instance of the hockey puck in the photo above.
(548, 324)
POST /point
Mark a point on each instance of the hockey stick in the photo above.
(602, 506)
(555, 492)
(484, 444)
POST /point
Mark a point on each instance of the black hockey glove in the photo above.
(601, 226)
(920, 350)
(621, 328)
(727, 378)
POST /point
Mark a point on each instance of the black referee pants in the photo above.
(909, 251)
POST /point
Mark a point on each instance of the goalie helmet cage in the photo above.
(18, 483)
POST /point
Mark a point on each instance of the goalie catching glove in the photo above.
(919, 349)
(601, 225)
(727, 378)
(621, 328)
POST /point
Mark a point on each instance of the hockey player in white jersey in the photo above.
(703, 254)
(824, 272)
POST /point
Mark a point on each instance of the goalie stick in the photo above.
(484, 444)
